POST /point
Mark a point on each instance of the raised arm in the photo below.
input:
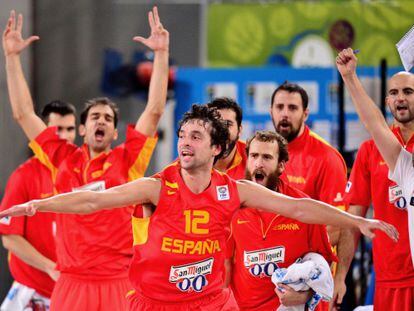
(20, 98)
(370, 115)
(307, 210)
(157, 97)
(140, 191)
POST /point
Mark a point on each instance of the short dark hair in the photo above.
(270, 136)
(105, 101)
(59, 107)
(219, 132)
(228, 103)
(292, 88)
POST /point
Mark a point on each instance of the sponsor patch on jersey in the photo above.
(263, 262)
(191, 276)
(348, 186)
(93, 186)
(5, 220)
(223, 193)
(394, 193)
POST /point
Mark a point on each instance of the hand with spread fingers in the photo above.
(13, 42)
(159, 39)
(367, 227)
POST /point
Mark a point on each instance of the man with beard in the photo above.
(256, 232)
(315, 167)
(93, 251)
(233, 163)
(179, 250)
(369, 183)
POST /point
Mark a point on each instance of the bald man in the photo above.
(369, 182)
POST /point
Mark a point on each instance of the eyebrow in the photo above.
(98, 114)
(404, 89)
(192, 132)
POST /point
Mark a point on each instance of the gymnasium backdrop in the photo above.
(306, 33)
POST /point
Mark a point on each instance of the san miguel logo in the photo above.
(191, 276)
(263, 262)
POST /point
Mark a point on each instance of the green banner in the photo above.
(306, 33)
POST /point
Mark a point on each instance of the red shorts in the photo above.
(222, 301)
(274, 304)
(399, 299)
(71, 293)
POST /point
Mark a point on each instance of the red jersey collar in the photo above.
(238, 156)
(85, 151)
(397, 132)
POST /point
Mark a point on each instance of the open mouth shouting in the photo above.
(99, 134)
(284, 125)
(402, 108)
(259, 176)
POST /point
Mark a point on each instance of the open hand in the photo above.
(338, 295)
(159, 40)
(367, 227)
(13, 42)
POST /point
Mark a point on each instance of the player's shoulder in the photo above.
(30, 166)
(291, 191)
(322, 148)
(367, 145)
(169, 173)
(241, 144)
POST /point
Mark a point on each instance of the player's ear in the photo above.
(306, 113)
(216, 150)
(82, 130)
(281, 167)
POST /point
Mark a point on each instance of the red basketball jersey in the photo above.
(179, 251)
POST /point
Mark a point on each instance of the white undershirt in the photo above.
(403, 175)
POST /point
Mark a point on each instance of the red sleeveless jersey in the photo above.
(179, 251)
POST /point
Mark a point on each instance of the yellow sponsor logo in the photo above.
(382, 163)
(287, 227)
(200, 247)
(296, 179)
(240, 222)
(169, 192)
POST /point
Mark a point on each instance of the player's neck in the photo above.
(197, 180)
(301, 130)
(224, 164)
(96, 153)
